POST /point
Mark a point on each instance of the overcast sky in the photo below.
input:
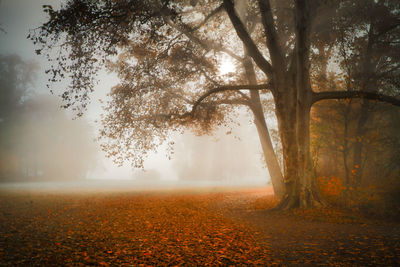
(18, 16)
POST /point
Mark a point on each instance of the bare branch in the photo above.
(355, 94)
(230, 88)
(231, 102)
(271, 34)
(206, 44)
(209, 16)
(241, 31)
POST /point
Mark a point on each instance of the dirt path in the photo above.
(309, 239)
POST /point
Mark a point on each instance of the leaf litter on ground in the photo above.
(229, 228)
(124, 229)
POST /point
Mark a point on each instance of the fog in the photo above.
(42, 143)
(218, 159)
(223, 157)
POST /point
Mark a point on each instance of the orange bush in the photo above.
(363, 198)
(331, 188)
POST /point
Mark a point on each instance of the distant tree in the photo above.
(357, 140)
(373, 66)
(168, 53)
(50, 145)
(16, 76)
(369, 57)
(1, 27)
(199, 158)
(38, 140)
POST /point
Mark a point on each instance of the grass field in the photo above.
(220, 226)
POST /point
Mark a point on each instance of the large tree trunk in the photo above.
(288, 138)
(308, 194)
(301, 189)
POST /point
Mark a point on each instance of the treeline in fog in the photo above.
(38, 140)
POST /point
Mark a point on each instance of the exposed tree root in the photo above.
(306, 199)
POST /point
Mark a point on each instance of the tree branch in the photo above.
(208, 45)
(229, 88)
(271, 34)
(231, 102)
(241, 31)
(355, 94)
(213, 13)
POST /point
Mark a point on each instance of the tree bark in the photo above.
(301, 190)
(358, 145)
(293, 98)
(289, 147)
(368, 70)
(266, 144)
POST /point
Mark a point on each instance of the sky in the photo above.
(242, 153)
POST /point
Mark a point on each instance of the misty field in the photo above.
(184, 227)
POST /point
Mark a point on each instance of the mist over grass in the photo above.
(95, 185)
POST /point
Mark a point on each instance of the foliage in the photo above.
(130, 230)
(371, 201)
(355, 141)
(183, 228)
(162, 71)
(166, 54)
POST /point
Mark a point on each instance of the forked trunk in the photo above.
(301, 190)
(288, 138)
(309, 196)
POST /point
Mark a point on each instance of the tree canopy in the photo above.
(167, 54)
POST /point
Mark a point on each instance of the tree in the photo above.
(167, 61)
(372, 65)
(177, 43)
(38, 140)
(16, 76)
(358, 133)
(43, 143)
(50, 145)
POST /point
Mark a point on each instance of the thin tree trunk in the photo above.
(266, 144)
(345, 151)
(270, 157)
(263, 133)
(368, 82)
(358, 146)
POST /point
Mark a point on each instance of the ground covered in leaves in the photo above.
(184, 228)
